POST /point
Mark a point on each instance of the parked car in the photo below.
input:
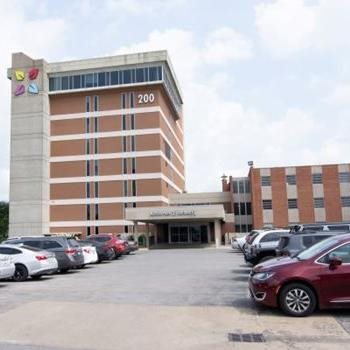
(263, 246)
(89, 252)
(292, 244)
(334, 226)
(104, 252)
(67, 251)
(111, 240)
(131, 244)
(238, 242)
(7, 267)
(29, 261)
(318, 277)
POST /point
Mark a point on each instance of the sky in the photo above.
(262, 80)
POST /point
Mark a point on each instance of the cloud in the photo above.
(289, 26)
(36, 37)
(340, 95)
(222, 133)
(226, 44)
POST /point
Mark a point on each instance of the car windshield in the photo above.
(316, 249)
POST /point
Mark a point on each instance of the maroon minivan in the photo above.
(318, 277)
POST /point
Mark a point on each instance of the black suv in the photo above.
(67, 251)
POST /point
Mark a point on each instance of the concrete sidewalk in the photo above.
(78, 325)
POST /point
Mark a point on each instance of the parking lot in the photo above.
(173, 299)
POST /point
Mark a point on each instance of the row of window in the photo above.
(293, 203)
(128, 166)
(110, 78)
(242, 208)
(343, 177)
(241, 186)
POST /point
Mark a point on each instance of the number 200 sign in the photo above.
(145, 98)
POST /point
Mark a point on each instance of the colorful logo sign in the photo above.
(20, 75)
(33, 73)
(33, 89)
(20, 90)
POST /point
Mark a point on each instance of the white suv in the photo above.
(7, 267)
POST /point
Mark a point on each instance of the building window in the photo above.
(241, 186)
(96, 212)
(96, 103)
(237, 228)
(133, 165)
(89, 80)
(88, 212)
(235, 186)
(133, 187)
(344, 177)
(114, 78)
(123, 97)
(249, 208)
(87, 168)
(291, 179)
(133, 146)
(96, 167)
(124, 144)
(319, 202)
(265, 181)
(167, 150)
(236, 208)
(125, 188)
(131, 98)
(134, 204)
(88, 190)
(87, 104)
(242, 207)
(97, 230)
(292, 204)
(88, 233)
(96, 124)
(345, 201)
(132, 121)
(87, 146)
(96, 145)
(124, 122)
(267, 204)
(96, 190)
(125, 165)
(317, 178)
(88, 125)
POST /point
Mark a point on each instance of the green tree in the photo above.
(4, 220)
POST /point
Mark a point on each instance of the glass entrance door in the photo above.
(188, 233)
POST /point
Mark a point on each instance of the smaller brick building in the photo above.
(283, 196)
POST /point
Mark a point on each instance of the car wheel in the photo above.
(65, 270)
(297, 299)
(265, 258)
(21, 273)
(36, 277)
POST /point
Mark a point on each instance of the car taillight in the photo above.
(41, 257)
(70, 251)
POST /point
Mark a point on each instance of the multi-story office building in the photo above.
(90, 138)
(285, 196)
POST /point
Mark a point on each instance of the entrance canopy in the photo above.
(191, 213)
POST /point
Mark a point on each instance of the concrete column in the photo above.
(156, 235)
(147, 235)
(217, 230)
(136, 234)
(30, 150)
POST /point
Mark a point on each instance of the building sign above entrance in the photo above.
(172, 213)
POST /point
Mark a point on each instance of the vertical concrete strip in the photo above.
(30, 150)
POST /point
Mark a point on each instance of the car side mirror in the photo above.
(334, 262)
